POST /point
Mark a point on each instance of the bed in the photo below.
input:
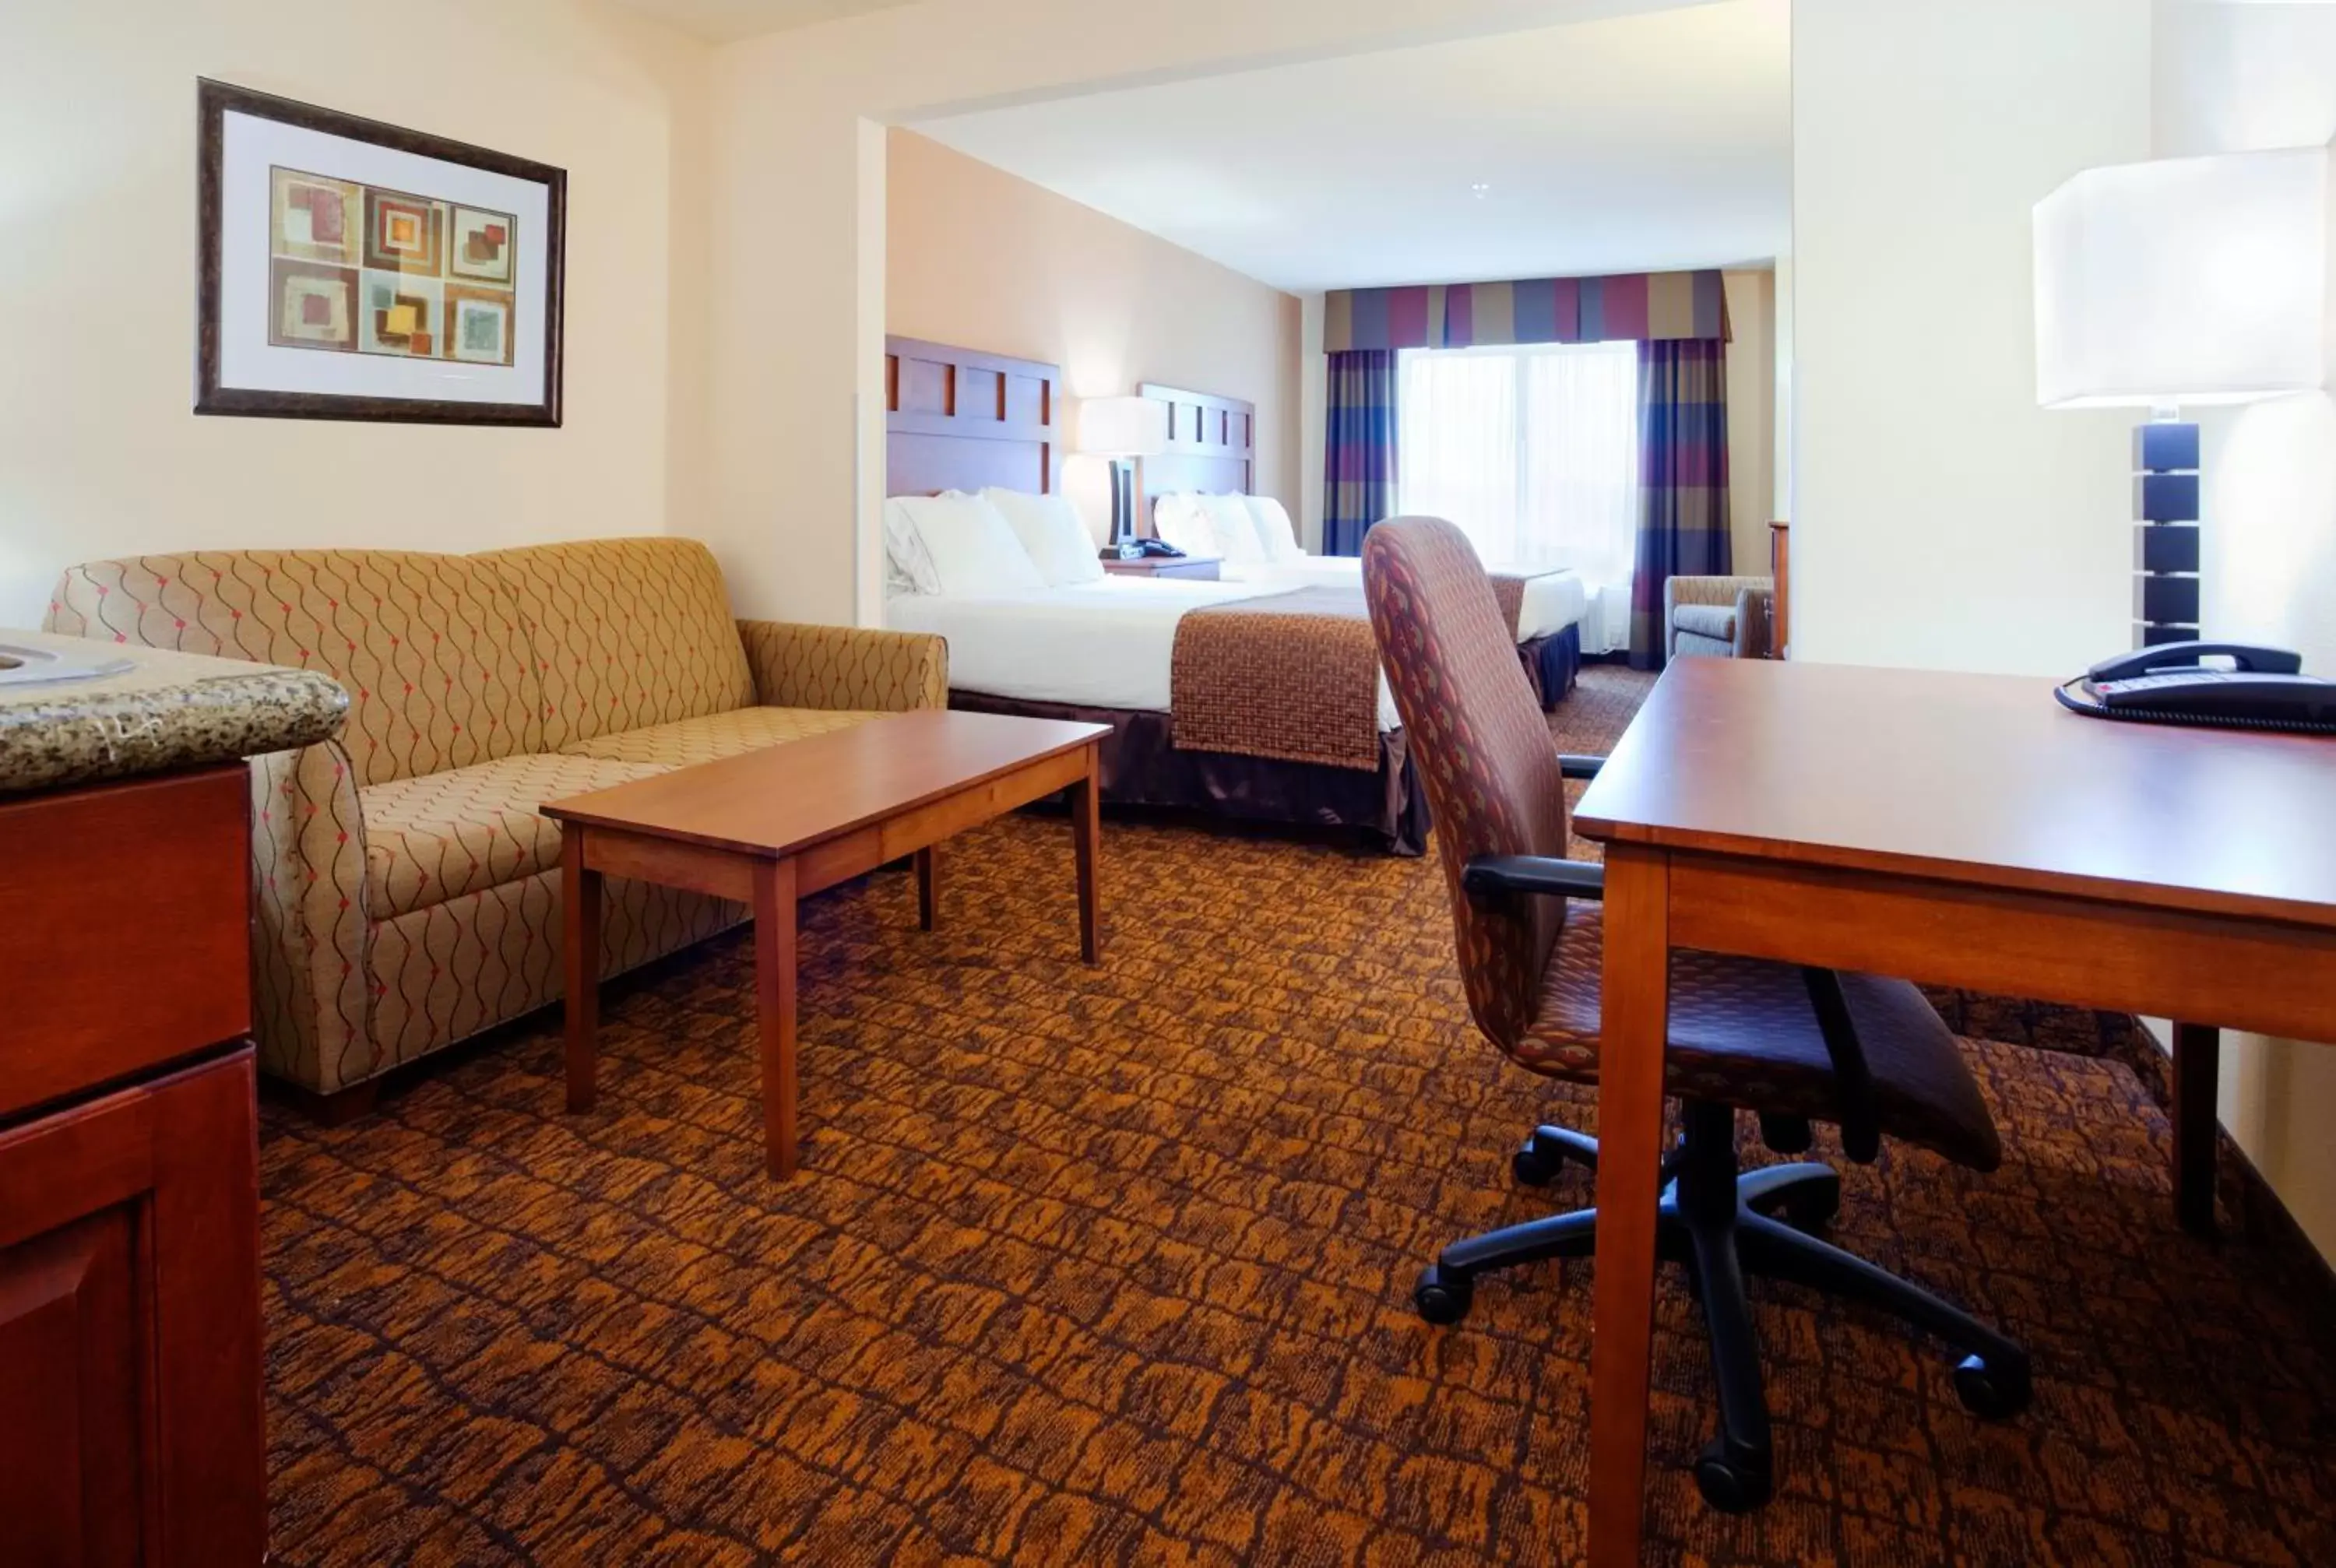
(1132, 652)
(1211, 452)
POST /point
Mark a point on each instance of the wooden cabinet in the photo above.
(131, 1427)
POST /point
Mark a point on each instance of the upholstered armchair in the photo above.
(1723, 616)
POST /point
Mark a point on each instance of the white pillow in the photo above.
(1054, 533)
(1180, 520)
(1273, 530)
(1236, 532)
(973, 548)
(907, 567)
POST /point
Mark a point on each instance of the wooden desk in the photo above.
(771, 826)
(1958, 830)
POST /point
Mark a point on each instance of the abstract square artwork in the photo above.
(482, 246)
(344, 239)
(402, 290)
(315, 306)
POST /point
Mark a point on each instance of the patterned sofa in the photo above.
(406, 893)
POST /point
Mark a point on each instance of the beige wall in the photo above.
(798, 278)
(1751, 415)
(980, 258)
(99, 453)
(1941, 518)
(2237, 79)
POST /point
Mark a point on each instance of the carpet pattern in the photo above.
(1112, 1266)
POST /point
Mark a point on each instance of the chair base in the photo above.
(1722, 1224)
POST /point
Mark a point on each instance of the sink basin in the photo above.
(24, 666)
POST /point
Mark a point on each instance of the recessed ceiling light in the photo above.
(1480, 191)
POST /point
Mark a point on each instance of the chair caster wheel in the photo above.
(1809, 1209)
(1442, 1298)
(1531, 1168)
(1732, 1485)
(1993, 1391)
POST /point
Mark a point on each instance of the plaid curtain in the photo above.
(1358, 468)
(1683, 479)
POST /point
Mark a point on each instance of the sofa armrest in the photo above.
(1756, 614)
(309, 928)
(843, 667)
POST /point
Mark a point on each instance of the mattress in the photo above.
(1109, 644)
(1553, 602)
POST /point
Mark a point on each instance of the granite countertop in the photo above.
(148, 710)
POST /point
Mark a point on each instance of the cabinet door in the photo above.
(130, 1397)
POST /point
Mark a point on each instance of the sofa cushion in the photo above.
(430, 647)
(717, 735)
(626, 632)
(446, 834)
(1716, 621)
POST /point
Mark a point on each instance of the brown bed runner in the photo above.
(1291, 676)
(1509, 588)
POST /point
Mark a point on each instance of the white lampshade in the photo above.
(2189, 280)
(1123, 427)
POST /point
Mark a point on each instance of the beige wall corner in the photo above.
(784, 279)
(1751, 415)
(1313, 424)
(100, 453)
(981, 259)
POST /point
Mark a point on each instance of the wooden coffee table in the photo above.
(769, 827)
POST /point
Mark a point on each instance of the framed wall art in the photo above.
(350, 269)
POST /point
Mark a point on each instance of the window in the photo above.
(1533, 452)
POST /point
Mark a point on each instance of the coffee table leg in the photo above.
(929, 887)
(1087, 830)
(581, 942)
(775, 984)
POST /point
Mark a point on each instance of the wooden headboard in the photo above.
(1212, 447)
(960, 419)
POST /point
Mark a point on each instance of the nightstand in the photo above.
(1197, 567)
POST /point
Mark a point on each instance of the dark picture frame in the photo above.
(215, 100)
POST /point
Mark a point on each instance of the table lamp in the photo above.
(2190, 280)
(1120, 429)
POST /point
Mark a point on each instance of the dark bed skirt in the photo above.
(1551, 663)
(1143, 768)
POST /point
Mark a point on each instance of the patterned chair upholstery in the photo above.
(407, 894)
(1794, 1046)
(1741, 1028)
(1721, 617)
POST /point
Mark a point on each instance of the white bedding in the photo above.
(1108, 644)
(1553, 602)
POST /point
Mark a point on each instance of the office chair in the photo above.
(1791, 1046)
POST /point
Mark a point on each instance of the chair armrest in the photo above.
(1573, 765)
(845, 668)
(1490, 874)
(1679, 590)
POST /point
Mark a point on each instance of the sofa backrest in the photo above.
(432, 648)
(627, 633)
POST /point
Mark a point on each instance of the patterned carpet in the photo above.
(1114, 1267)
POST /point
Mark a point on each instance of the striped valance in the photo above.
(1627, 307)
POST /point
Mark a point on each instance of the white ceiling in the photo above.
(1638, 144)
(722, 21)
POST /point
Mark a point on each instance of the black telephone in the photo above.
(2264, 688)
(1137, 548)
